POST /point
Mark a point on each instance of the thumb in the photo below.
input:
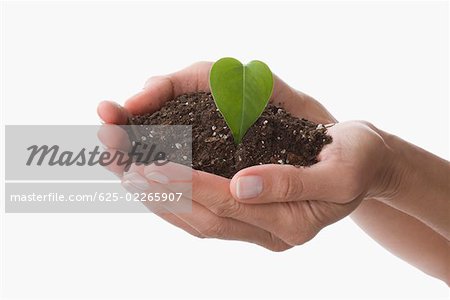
(284, 183)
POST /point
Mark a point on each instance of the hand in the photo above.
(298, 202)
(352, 167)
(159, 89)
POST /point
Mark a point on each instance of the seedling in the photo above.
(241, 92)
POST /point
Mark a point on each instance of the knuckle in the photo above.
(280, 247)
(197, 234)
(228, 209)
(288, 187)
(298, 235)
(215, 230)
(276, 244)
(366, 123)
(156, 78)
(201, 63)
(298, 239)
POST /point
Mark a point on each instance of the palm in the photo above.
(356, 145)
(344, 160)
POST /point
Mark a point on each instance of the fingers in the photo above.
(286, 221)
(212, 226)
(113, 136)
(286, 183)
(114, 166)
(200, 219)
(135, 182)
(112, 113)
(160, 89)
(117, 144)
(149, 100)
(299, 104)
(157, 90)
(191, 79)
(177, 222)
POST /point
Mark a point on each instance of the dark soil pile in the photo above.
(275, 138)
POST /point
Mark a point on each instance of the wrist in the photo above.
(415, 182)
(392, 169)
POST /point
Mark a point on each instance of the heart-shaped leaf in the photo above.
(241, 92)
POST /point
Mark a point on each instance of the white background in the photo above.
(386, 62)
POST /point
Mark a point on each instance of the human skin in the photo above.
(397, 192)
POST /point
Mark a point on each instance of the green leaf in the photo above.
(241, 92)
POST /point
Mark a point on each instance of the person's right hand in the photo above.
(296, 202)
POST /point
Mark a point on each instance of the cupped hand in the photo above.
(276, 206)
(194, 78)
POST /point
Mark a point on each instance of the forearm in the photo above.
(417, 183)
(406, 237)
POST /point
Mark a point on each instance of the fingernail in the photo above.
(249, 187)
(136, 180)
(157, 176)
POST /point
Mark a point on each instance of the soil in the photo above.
(276, 137)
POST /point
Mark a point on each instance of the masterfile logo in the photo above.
(56, 168)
